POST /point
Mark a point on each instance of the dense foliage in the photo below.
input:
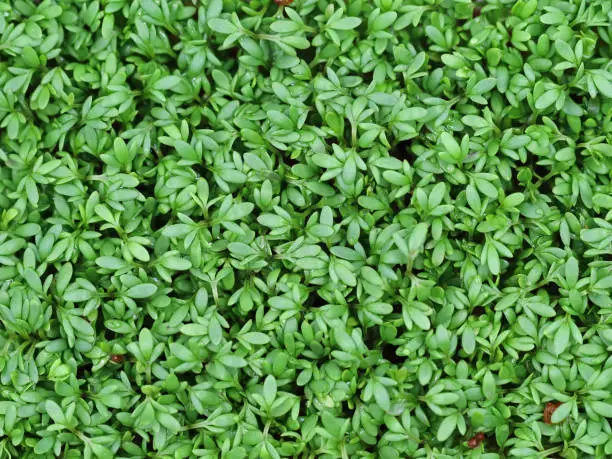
(322, 229)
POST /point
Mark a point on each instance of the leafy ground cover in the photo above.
(309, 229)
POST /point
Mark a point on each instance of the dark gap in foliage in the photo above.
(478, 311)
(159, 220)
(540, 170)
(286, 158)
(200, 170)
(397, 205)
(330, 141)
(83, 370)
(367, 77)
(315, 301)
(141, 114)
(239, 147)
(347, 132)
(190, 377)
(149, 443)
(510, 270)
(117, 126)
(449, 277)
(298, 391)
(307, 54)
(147, 321)
(95, 163)
(107, 233)
(147, 189)
(314, 119)
(552, 289)
(163, 150)
(100, 327)
(403, 151)
(389, 353)
(372, 338)
(173, 39)
(478, 238)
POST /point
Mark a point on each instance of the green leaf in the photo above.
(383, 21)
(561, 413)
(446, 428)
(417, 237)
(141, 291)
(512, 201)
(484, 86)
(100, 451)
(564, 50)
(450, 145)
(33, 280)
(547, 99)
(78, 295)
(381, 98)
(238, 211)
(223, 26)
(138, 251)
(543, 310)
(233, 361)
(346, 23)
(176, 263)
(112, 263)
(269, 389)
(169, 422)
(382, 397)
(493, 259)
(55, 412)
(167, 82)
(255, 338)
(602, 408)
(444, 398)
(561, 339)
(603, 85)
(489, 386)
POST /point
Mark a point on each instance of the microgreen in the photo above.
(307, 229)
